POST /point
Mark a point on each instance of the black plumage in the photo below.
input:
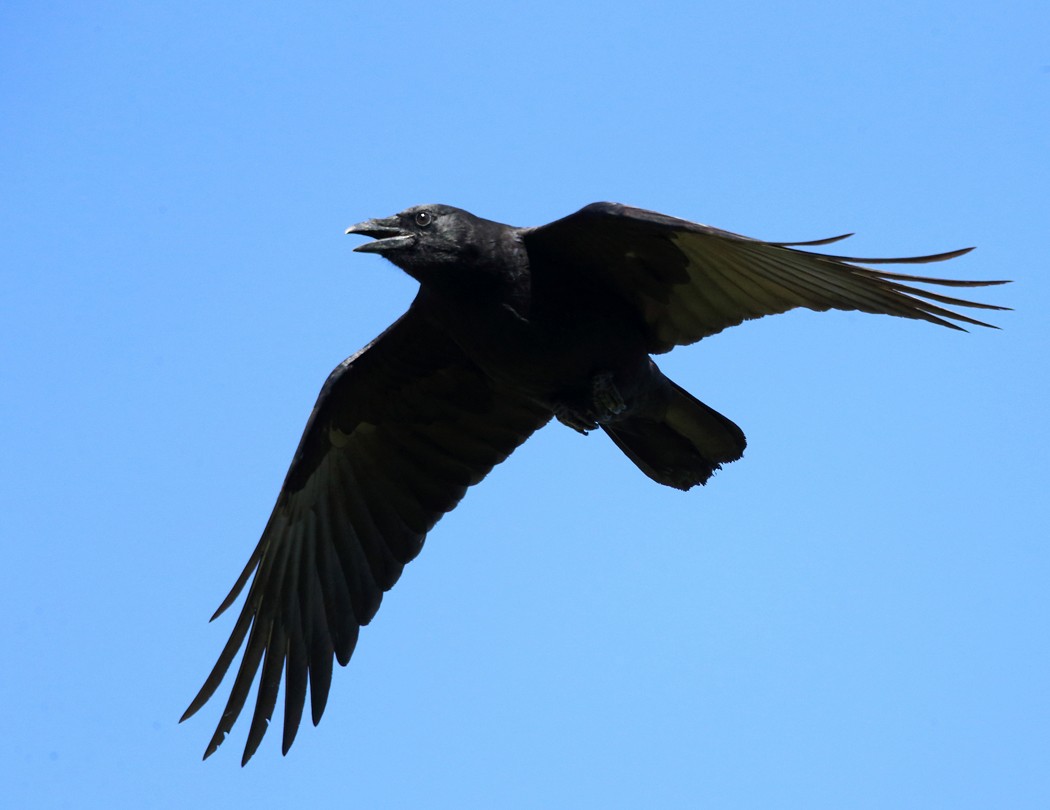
(510, 327)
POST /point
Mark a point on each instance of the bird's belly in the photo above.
(557, 360)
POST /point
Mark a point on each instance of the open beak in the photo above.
(388, 233)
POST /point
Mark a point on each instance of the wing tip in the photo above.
(217, 739)
(815, 242)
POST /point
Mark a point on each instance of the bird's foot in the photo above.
(608, 402)
(605, 403)
(578, 421)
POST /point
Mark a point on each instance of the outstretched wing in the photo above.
(689, 281)
(399, 432)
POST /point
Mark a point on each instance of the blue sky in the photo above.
(855, 615)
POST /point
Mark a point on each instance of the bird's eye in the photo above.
(424, 218)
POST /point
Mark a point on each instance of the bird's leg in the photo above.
(605, 403)
(606, 397)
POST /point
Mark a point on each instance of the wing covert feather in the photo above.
(689, 281)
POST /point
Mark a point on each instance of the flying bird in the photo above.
(511, 327)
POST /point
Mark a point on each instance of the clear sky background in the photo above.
(855, 615)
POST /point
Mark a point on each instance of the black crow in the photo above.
(510, 327)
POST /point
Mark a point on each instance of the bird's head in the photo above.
(432, 243)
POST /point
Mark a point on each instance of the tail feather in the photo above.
(685, 447)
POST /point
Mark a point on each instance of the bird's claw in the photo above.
(574, 419)
(605, 403)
